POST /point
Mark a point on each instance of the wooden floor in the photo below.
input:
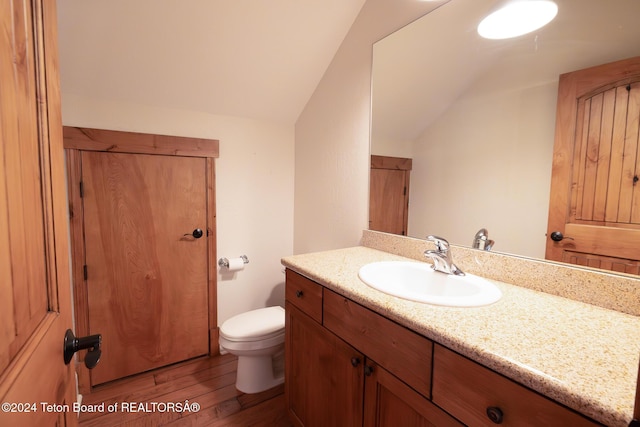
(207, 382)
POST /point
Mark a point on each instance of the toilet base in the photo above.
(260, 373)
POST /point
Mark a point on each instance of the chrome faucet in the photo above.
(481, 240)
(442, 260)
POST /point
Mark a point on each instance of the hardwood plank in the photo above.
(268, 413)
(269, 410)
(153, 378)
(171, 373)
(213, 391)
(141, 390)
(208, 381)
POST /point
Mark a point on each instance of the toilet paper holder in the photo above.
(224, 262)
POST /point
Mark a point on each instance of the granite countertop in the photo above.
(580, 355)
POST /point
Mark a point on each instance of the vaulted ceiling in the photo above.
(249, 58)
(421, 70)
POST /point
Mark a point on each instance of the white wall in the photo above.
(391, 148)
(332, 135)
(486, 163)
(254, 188)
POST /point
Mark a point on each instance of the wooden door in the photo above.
(389, 194)
(324, 375)
(146, 274)
(594, 212)
(35, 302)
(389, 402)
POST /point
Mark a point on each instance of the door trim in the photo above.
(77, 140)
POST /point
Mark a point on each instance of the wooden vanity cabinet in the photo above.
(324, 376)
(402, 352)
(347, 365)
(478, 396)
(331, 383)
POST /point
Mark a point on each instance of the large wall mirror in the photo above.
(477, 116)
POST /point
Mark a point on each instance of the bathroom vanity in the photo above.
(357, 356)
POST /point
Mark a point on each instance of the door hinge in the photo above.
(404, 191)
(84, 271)
(81, 189)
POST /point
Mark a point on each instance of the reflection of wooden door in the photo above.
(35, 301)
(146, 281)
(389, 194)
(595, 193)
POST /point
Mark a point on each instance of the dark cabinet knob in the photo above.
(299, 293)
(368, 370)
(495, 414)
(355, 361)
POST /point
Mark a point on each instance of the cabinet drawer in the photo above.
(466, 390)
(304, 294)
(402, 352)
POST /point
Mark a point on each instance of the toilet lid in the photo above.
(255, 324)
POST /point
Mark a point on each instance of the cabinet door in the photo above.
(324, 376)
(389, 403)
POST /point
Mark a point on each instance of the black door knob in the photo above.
(91, 343)
(197, 233)
(556, 236)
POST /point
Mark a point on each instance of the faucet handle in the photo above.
(441, 244)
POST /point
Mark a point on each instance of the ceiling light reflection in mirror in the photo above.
(477, 116)
(517, 17)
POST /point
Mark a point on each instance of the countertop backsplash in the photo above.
(613, 291)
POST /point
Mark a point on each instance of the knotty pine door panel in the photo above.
(35, 284)
(595, 190)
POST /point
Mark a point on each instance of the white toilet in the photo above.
(257, 338)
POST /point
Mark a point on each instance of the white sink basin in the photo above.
(419, 282)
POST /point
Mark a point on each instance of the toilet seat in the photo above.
(264, 324)
(257, 339)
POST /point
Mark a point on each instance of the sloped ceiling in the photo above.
(249, 58)
(419, 71)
